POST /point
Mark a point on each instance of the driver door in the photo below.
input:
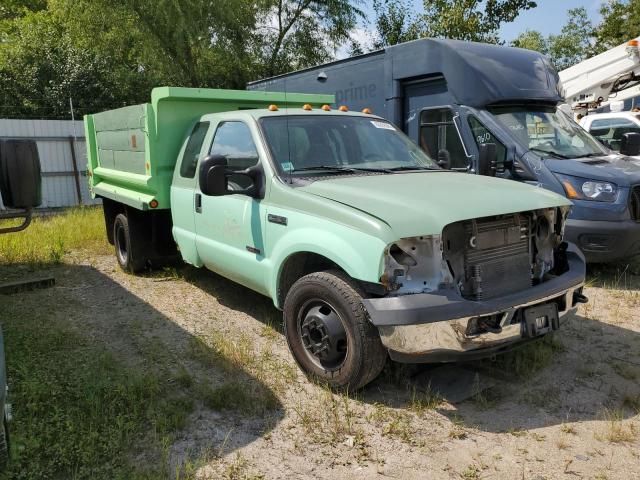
(230, 228)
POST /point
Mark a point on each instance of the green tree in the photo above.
(395, 22)
(620, 23)
(302, 33)
(532, 40)
(473, 20)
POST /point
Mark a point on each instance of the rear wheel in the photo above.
(129, 251)
(328, 331)
(4, 444)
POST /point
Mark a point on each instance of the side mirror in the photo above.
(487, 159)
(630, 144)
(213, 178)
(20, 176)
(444, 159)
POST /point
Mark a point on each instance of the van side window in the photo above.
(192, 151)
(482, 135)
(438, 134)
(610, 130)
(234, 141)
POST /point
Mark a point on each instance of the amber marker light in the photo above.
(343, 108)
(307, 107)
(273, 108)
(633, 43)
(367, 111)
(326, 108)
(571, 191)
(153, 203)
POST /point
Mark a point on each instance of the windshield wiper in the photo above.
(589, 155)
(549, 152)
(339, 169)
(407, 168)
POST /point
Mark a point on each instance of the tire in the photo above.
(328, 331)
(129, 247)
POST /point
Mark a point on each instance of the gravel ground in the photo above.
(574, 417)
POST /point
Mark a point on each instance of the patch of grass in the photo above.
(568, 429)
(628, 372)
(78, 411)
(49, 238)
(422, 401)
(617, 431)
(530, 358)
(243, 396)
(632, 402)
(472, 472)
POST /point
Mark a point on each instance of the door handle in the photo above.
(198, 202)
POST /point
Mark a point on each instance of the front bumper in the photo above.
(432, 327)
(602, 241)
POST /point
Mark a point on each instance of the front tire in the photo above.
(328, 331)
(129, 252)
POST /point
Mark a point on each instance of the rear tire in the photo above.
(4, 444)
(129, 247)
(328, 331)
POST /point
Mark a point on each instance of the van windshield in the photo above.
(548, 130)
(310, 145)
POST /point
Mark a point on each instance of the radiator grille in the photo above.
(634, 203)
(497, 257)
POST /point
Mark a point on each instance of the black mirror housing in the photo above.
(213, 179)
(630, 144)
(20, 174)
(488, 159)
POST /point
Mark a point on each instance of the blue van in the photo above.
(454, 98)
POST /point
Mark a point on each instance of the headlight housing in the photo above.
(578, 188)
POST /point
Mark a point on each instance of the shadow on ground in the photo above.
(587, 369)
(103, 385)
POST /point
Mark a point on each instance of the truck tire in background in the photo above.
(4, 444)
(328, 331)
(130, 245)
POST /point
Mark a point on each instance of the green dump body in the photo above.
(132, 151)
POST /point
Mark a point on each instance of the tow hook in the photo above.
(578, 297)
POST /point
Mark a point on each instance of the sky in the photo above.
(548, 17)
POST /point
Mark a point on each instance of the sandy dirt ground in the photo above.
(576, 416)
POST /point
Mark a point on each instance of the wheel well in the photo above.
(153, 228)
(297, 266)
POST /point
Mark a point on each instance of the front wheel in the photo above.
(328, 331)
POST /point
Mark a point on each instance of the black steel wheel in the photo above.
(328, 331)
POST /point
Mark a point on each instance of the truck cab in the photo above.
(453, 97)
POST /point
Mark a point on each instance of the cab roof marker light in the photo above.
(343, 108)
(273, 108)
(326, 108)
(366, 111)
(307, 107)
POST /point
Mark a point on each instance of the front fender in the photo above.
(358, 254)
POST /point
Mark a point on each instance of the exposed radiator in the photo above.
(497, 257)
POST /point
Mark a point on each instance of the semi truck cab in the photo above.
(452, 97)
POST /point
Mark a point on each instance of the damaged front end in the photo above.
(479, 287)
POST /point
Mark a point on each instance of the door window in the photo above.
(192, 151)
(438, 134)
(610, 130)
(233, 140)
(482, 135)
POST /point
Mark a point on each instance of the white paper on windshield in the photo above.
(383, 125)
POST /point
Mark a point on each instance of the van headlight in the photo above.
(578, 188)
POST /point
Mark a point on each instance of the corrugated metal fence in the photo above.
(63, 157)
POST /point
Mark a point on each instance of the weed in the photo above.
(617, 431)
(632, 402)
(530, 358)
(423, 401)
(472, 472)
(568, 429)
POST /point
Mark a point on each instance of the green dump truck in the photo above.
(368, 246)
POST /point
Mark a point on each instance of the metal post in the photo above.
(76, 173)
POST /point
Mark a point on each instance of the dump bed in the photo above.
(132, 150)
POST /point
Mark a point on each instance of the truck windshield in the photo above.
(319, 145)
(548, 130)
